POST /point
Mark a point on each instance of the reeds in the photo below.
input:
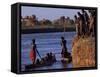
(83, 52)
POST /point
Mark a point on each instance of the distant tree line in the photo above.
(33, 22)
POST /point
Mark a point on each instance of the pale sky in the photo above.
(48, 13)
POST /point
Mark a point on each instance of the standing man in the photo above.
(64, 52)
(77, 25)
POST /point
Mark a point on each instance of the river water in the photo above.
(46, 42)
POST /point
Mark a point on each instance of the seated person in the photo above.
(42, 61)
(37, 62)
(51, 59)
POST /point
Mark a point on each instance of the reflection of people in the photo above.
(64, 48)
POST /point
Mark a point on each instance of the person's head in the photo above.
(51, 53)
(75, 17)
(83, 11)
(62, 38)
(33, 41)
(37, 60)
(79, 14)
(48, 54)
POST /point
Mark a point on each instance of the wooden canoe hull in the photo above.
(32, 66)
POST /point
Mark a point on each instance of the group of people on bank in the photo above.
(85, 22)
(49, 57)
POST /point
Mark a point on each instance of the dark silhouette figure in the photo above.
(51, 56)
(37, 62)
(64, 52)
(92, 23)
(77, 25)
(85, 20)
(81, 23)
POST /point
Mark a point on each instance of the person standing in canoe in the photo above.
(64, 52)
(33, 52)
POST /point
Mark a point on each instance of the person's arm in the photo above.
(31, 45)
(61, 43)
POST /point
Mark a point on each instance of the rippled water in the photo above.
(46, 42)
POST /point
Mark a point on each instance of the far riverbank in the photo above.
(46, 30)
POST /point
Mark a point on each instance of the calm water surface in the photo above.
(46, 42)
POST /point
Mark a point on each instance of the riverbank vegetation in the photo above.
(83, 52)
(32, 22)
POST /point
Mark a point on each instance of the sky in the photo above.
(48, 13)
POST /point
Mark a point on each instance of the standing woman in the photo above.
(33, 52)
